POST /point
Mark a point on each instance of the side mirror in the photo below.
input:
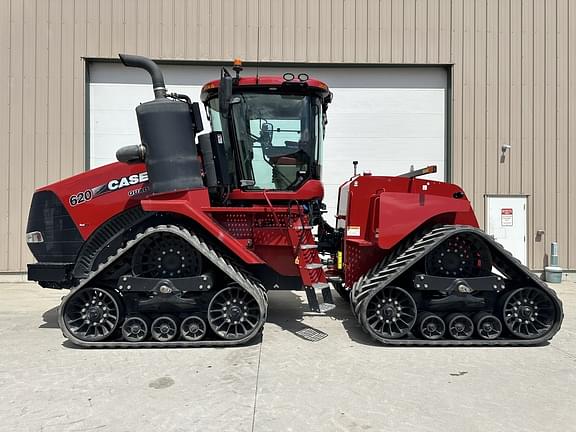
(224, 94)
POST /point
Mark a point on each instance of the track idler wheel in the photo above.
(528, 312)
(390, 313)
(487, 326)
(233, 313)
(460, 326)
(164, 329)
(135, 329)
(92, 314)
(431, 326)
(193, 328)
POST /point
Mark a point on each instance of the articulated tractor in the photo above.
(179, 242)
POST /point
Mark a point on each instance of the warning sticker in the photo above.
(506, 217)
(353, 231)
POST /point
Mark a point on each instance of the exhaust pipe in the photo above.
(150, 67)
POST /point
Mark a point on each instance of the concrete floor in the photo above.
(308, 373)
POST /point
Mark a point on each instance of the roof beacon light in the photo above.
(237, 67)
(288, 76)
(303, 77)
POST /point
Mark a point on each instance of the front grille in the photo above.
(62, 240)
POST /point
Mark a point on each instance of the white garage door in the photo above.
(387, 118)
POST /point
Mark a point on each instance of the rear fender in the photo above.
(400, 214)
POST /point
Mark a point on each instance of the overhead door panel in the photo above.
(388, 119)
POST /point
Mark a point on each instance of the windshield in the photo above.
(276, 136)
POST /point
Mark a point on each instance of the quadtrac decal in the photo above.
(112, 186)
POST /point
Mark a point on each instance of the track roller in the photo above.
(164, 329)
(193, 328)
(431, 326)
(460, 326)
(487, 326)
(135, 329)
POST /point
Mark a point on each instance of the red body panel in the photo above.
(251, 233)
(381, 211)
(312, 189)
(91, 213)
(264, 81)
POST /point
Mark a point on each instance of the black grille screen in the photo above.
(62, 240)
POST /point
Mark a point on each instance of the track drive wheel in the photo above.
(166, 256)
(92, 314)
(390, 313)
(463, 255)
(528, 312)
(233, 313)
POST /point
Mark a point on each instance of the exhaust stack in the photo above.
(150, 67)
(167, 132)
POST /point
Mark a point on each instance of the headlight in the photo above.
(34, 237)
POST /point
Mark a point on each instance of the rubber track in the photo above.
(225, 264)
(384, 273)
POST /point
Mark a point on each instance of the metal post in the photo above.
(553, 272)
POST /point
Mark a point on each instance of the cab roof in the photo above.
(267, 81)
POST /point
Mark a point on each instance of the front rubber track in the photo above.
(225, 264)
(382, 276)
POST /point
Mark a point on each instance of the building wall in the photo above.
(511, 62)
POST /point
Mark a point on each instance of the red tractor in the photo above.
(178, 242)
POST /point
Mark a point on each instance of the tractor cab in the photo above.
(271, 129)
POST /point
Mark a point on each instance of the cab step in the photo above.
(328, 301)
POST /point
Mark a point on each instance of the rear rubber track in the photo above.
(389, 270)
(225, 264)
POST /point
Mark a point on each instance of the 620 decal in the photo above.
(80, 197)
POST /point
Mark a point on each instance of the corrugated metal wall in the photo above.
(512, 61)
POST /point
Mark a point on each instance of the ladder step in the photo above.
(313, 266)
(320, 285)
(309, 246)
(325, 307)
(313, 303)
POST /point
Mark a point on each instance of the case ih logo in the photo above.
(111, 186)
(127, 181)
